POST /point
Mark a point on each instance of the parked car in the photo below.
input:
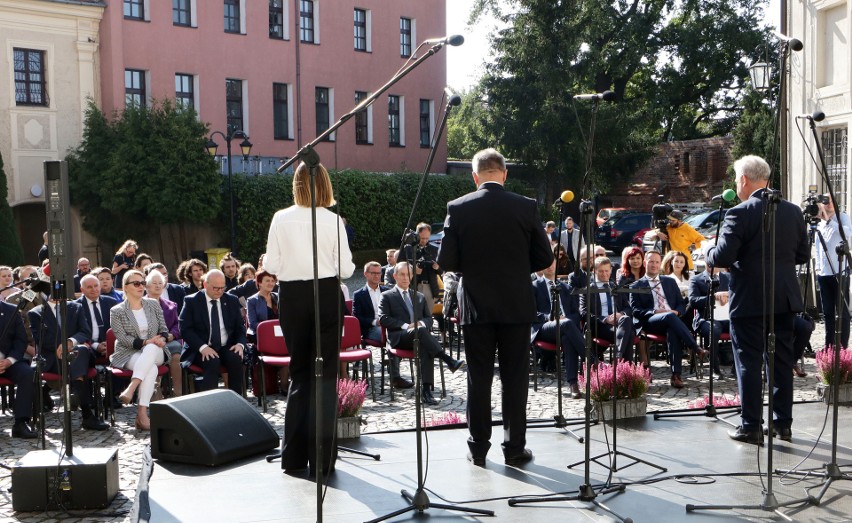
(437, 234)
(617, 232)
(611, 212)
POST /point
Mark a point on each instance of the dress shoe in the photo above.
(479, 461)
(428, 398)
(676, 382)
(125, 397)
(401, 383)
(47, 402)
(755, 437)
(22, 430)
(455, 365)
(785, 434)
(575, 391)
(799, 372)
(519, 459)
(719, 375)
(93, 423)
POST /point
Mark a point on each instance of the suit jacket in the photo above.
(14, 341)
(620, 302)
(699, 292)
(567, 301)
(257, 311)
(176, 294)
(128, 338)
(494, 238)
(643, 305)
(77, 327)
(393, 314)
(170, 314)
(105, 303)
(575, 241)
(195, 323)
(739, 248)
(429, 275)
(362, 307)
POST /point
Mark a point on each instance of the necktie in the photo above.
(215, 330)
(609, 304)
(98, 322)
(658, 292)
(407, 299)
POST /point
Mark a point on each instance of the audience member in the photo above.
(229, 265)
(424, 257)
(6, 281)
(611, 316)
(84, 267)
(388, 278)
(699, 296)
(155, 284)
(194, 276)
(13, 366)
(125, 258)
(105, 278)
(571, 240)
(43, 252)
(674, 265)
(142, 260)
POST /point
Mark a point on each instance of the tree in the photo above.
(11, 252)
(675, 67)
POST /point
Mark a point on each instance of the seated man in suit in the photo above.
(611, 315)
(659, 313)
(544, 327)
(396, 314)
(96, 311)
(387, 270)
(13, 366)
(46, 333)
(699, 293)
(365, 307)
(213, 329)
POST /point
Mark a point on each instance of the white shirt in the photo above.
(288, 247)
(223, 332)
(830, 232)
(603, 297)
(141, 322)
(657, 283)
(402, 293)
(95, 328)
(376, 298)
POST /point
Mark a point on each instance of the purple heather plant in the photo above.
(825, 365)
(631, 381)
(351, 395)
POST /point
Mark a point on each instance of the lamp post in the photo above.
(760, 74)
(245, 149)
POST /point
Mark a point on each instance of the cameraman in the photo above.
(681, 236)
(827, 268)
(424, 256)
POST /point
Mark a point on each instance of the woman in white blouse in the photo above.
(675, 265)
(140, 335)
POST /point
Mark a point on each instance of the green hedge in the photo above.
(377, 205)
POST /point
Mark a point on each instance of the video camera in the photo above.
(661, 212)
(423, 258)
(810, 207)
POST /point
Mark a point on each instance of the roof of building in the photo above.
(94, 3)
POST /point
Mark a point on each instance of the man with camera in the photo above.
(827, 269)
(427, 269)
(681, 236)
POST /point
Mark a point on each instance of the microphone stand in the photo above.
(419, 500)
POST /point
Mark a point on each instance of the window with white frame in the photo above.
(134, 88)
(835, 145)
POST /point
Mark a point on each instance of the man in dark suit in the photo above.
(743, 247)
(213, 328)
(699, 292)
(423, 255)
(47, 335)
(396, 314)
(497, 300)
(365, 307)
(13, 366)
(612, 318)
(659, 312)
(544, 327)
(96, 308)
(84, 267)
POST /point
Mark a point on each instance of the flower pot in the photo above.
(625, 408)
(349, 428)
(844, 393)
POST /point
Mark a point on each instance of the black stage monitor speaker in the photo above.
(209, 428)
(86, 480)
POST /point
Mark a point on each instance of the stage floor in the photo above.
(253, 490)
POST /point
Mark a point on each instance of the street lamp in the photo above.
(245, 149)
(760, 74)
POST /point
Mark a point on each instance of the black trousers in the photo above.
(429, 350)
(213, 366)
(297, 324)
(509, 344)
(22, 375)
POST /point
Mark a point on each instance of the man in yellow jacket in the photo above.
(681, 236)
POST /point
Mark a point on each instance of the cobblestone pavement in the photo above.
(382, 415)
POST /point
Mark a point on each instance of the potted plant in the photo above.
(628, 381)
(350, 399)
(825, 367)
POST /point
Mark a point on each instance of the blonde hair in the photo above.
(302, 187)
(130, 273)
(124, 247)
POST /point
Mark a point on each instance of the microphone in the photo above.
(565, 197)
(452, 98)
(794, 43)
(606, 96)
(816, 116)
(728, 195)
(454, 40)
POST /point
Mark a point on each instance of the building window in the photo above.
(362, 120)
(276, 19)
(234, 103)
(835, 144)
(134, 9)
(232, 16)
(184, 91)
(425, 123)
(307, 20)
(394, 120)
(322, 109)
(280, 112)
(182, 12)
(405, 37)
(360, 30)
(134, 88)
(30, 84)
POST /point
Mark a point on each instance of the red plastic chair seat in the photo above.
(54, 376)
(544, 345)
(275, 361)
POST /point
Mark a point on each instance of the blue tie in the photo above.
(215, 330)
(407, 299)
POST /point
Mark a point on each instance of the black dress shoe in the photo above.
(455, 365)
(22, 430)
(519, 459)
(401, 383)
(93, 423)
(755, 437)
(575, 391)
(47, 402)
(479, 461)
(428, 398)
(785, 434)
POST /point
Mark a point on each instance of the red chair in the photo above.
(349, 307)
(453, 330)
(544, 346)
(271, 350)
(382, 346)
(162, 370)
(351, 351)
(409, 355)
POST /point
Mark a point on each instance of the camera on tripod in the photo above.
(661, 212)
(810, 207)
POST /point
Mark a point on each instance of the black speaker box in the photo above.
(208, 428)
(86, 480)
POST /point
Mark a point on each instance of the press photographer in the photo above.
(827, 266)
(672, 229)
(427, 269)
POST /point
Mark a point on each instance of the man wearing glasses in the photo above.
(213, 329)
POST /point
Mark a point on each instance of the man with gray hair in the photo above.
(744, 247)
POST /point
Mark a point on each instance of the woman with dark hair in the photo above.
(263, 306)
(193, 276)
(247, 272)
(125, 258)
(563, 263)
(142, 260)
(632, 265)
(289, 256)
(676, 266)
